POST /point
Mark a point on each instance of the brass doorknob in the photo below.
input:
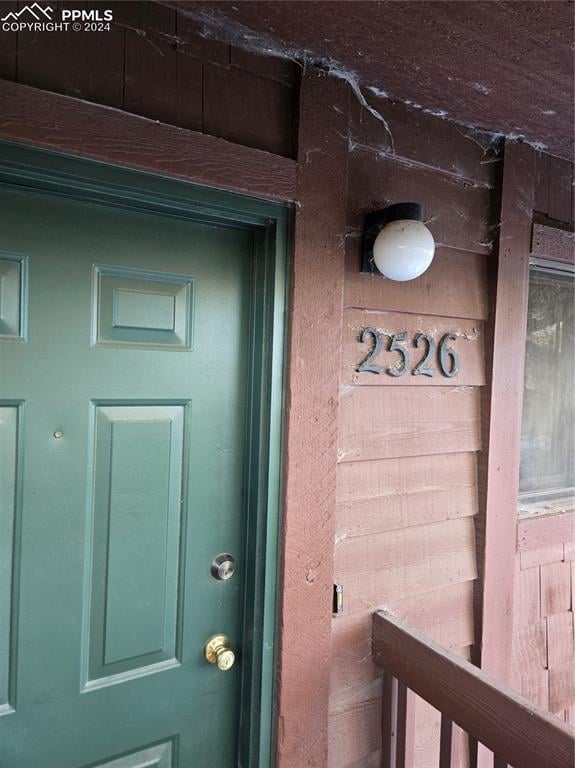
(218, 652)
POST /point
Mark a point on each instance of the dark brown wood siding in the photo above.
(153, 63)
(409, 448)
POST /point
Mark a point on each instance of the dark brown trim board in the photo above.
(312, 391)
(51, 121)
(500, 533)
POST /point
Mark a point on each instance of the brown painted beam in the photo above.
(52, 121)
(502, 474)
(312, 391)
(509, 725)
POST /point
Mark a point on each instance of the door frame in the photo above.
(43, 170)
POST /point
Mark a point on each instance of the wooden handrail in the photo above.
(517, 732)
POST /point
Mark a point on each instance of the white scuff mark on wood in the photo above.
(480, 88)
(359, 329)
(311, 152)
(430, 331)
(311, 571)
(143, 33)
(341, 454)
(436, 112)
(471, 335)
(339, 537)
(378, 92)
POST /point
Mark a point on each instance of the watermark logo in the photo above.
(38, 18)
(29, 12)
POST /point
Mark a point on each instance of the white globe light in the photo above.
(403, 249)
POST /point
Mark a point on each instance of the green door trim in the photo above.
(79, 178)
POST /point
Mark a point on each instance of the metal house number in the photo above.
(448, 358)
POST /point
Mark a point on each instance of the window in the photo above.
(547, 470)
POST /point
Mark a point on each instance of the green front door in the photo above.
(124, 360)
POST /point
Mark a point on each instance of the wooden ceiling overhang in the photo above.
(501, 66)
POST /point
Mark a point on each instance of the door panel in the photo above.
(138, 467)
(159, 756)
(9, 473)
(132, 384)
(13, 284)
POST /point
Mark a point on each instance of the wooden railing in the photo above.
(517, 733)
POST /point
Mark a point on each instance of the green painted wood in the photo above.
(163, 461)
(158, 756)
(137, 480)
(10, 471)
(13, 284)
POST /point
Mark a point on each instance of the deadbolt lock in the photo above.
(223, 567)
(219, 652)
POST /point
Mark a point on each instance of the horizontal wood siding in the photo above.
(407, 494)
(455, 285)
(385, 422)
(158, 66)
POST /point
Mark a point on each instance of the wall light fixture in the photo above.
(396, 243)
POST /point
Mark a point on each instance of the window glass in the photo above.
(547, 472)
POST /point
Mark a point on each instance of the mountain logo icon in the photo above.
(35, 11)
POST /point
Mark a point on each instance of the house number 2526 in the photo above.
(447, 357)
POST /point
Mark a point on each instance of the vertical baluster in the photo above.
(446, 742)
(389, 722)
(452, 744)
(398, 724)
(405, 726)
